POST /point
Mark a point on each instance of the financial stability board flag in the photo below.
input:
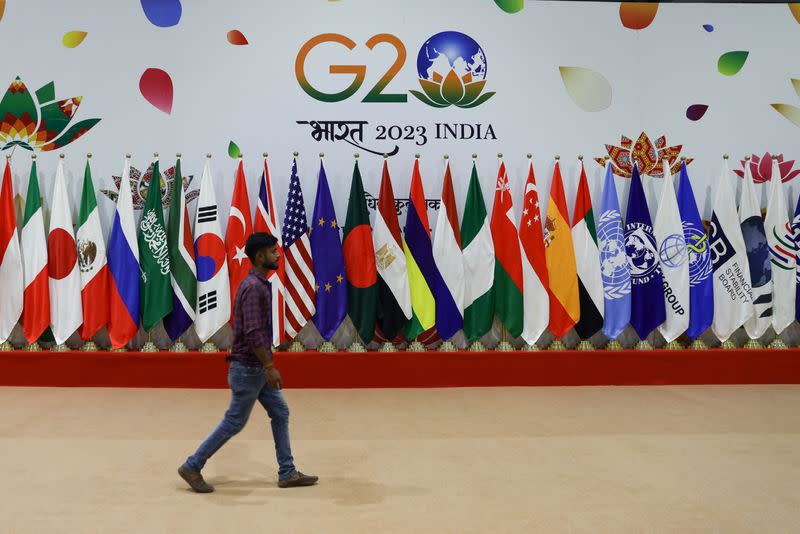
(782, 253)
(329, 270)
(123, 266)
(479, 263)
(213, 307)
(449, 290)
(422, 271)
(536, 296)
(394, 294)
(359, 262)
(758, 258)
(733, 303)
(796, 232)
(182, 270)
(156, 288)
(300, 303)
(239, 227)
(673, 256)
(66, 311)
(33, 245)
(701, 284)
(507, 257)
(587, 260)
(11, 276)
(562, 269)
(613, 261)
(647, 297)
(92, 260)
(266, 220)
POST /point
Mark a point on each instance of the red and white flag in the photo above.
(239, 228)
(36, 307)
(536, 299)
(11, 279)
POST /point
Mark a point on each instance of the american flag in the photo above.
(266, 220)
(299, 282)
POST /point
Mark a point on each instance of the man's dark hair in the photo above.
(258, 241)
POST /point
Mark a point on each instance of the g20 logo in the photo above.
(451, 68)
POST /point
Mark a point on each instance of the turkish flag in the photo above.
(239, 228)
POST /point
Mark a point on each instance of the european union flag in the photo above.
(647, 292)
(701, 284)
(326, 252)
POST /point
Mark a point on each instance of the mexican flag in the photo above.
(508, 303)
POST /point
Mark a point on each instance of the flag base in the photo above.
(124, 349)
(557, 344)
(698, 344)
(5, 346)
(61, 347)
(356, 347)
(728, 344)
(778, 343)
(447, 346)
(89, 346)
(296, 346)
(33, 347)
(149, 347)
(209, 347)
(585, 344)
(614, 345)
(387, 347)
(178, 347)
(477, 347)
(504, 346)
(673, 345)
(416, 346)
(531, 347)
(644, 345)
(753, 344)
(328, 347)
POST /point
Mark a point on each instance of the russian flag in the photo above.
(123, 264)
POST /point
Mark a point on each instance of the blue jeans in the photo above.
(249, 384)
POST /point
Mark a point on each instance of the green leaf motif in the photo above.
(427, 100)
(730, 63)
(481, 99)
(233, 150)
(510, 6)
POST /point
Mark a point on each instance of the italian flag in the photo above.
(33, 245)
(92, 261)
(508, 303)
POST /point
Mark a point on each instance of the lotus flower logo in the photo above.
(140, 184)
(452, 71)
(39, 123)
(761, 168)
(647, 156)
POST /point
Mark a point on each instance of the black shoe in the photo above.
(195, 480)
(298, 480)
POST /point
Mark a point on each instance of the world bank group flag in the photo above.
(613, 261)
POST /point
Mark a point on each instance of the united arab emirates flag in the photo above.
(359, 261)
(155, 285)
(587, 261)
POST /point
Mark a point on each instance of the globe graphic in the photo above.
(640, 249)
(451, 50)
(673, 251)
(699, 262)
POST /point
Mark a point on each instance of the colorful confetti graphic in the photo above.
(708, 27)
(156, 87)
(587, 88)
(730, 63)
(73, 38)
(695, 112)
(162, 13)
(235, 37)
(637, 15)
(794, 7)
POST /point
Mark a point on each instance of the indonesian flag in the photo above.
(536, 301)
(508, 259)
(66, 311)
(36, 307)
(239, 228)
(11, 278)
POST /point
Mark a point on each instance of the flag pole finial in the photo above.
(155, 154)
(178, 155)
(558, 157)
(747, 158)
(474, 156)
(208, 156)
(89, 155)
(774, 156)
(356, 155)
(33, 156)
(296, 153)
(683, 158)
(446, 156)
(580, 157)
(416, 156)
(500, 155)
(322, 154)
(724, 156)
(265, 154)
(385, 156)
(127, 156)
(529, 155)
(61, 156)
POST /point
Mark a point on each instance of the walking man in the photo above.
(252, 375)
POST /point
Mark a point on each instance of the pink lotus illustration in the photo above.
(761, 168)
(647, 156)
(139, 185)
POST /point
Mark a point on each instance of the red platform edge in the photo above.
(408, 369)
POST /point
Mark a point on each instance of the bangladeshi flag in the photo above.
(508, 305)
(359, 262)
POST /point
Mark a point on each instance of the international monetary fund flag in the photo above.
(449, 290)
(123, 264)
(508, 257)
(674, 259)
(613, 261)
(647, 297)
(701, 285)
(755, 240)
(213, 308)
(782, 254)
(183, 273)
(476, 240)
(66, 312)
(329, 270)
(11, 279)
(33, 244)
(156, 289)
(587, 259)
(796, 232)
(733, 302)
(536, 295)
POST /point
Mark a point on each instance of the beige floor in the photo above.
(660, 459)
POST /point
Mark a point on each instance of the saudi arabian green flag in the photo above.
(359, 262)
(476, 240)
(155, 287)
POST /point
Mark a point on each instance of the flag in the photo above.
(673, 256)
(213, 308)
(92, 261)
(33, 245)
(329, 270)
(182, 270)
(755, 240)
(66, 311)
(266, 220)
(422, 271)
(239, 228)
(796, 232)
(508, 257)
(647, 297)
(394, 294)
(359, 262)
(733, 302)
(156, 290)
(782, 254)
(613, 261)
(449, 289)
(476, 241)
(701, 284)
(11, 275)
(587, 261)
(535, 295)
(299, 266)
(123, 265)
(562, 269)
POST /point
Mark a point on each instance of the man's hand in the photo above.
(273, 377)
